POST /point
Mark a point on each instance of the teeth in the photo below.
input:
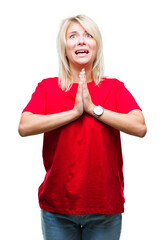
(77, 52)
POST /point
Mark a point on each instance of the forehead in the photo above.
(75, 27)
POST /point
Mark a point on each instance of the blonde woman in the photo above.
(81, 114)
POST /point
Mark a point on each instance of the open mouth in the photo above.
(80, 52)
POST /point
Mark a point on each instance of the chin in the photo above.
(83, 62)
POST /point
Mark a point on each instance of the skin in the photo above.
(77, 38)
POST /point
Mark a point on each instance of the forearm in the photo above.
(132, 123)
(32, 124)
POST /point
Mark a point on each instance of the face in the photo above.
(81, 47)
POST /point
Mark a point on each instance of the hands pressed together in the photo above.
(132, 123)
(83, 101)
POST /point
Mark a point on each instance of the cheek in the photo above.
(70, 47)
(94, 46)
(67, 49)
(94, 50)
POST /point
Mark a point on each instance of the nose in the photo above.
(81, 40)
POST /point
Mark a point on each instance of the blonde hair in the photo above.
(65, 80)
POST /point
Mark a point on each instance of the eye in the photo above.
(89, 35)
(72, 36)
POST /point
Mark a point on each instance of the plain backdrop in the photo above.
(134, 52)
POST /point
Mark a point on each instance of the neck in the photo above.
(75, 73)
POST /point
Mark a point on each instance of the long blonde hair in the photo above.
(65, 80)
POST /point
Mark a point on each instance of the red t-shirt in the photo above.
(83, 159)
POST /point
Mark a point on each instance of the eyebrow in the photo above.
(72, 32)
(75, 32)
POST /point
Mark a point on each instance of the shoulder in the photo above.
(111, 82)
(49, 84)
(53, 81)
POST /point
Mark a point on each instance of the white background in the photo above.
(134, 50)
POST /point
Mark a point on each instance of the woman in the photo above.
(81, 115)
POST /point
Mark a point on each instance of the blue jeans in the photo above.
(93, 226)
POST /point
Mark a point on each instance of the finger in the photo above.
(82, 75)
(85, 89)
(80, 88)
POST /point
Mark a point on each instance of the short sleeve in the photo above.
(125, 101)
(37, 103)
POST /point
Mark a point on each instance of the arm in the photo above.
(31, 124)
(132, 123)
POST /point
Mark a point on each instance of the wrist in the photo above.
(76, 113)
(90, 109)
(98, 111)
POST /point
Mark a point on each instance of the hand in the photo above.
(87, 101)
(78, 107)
